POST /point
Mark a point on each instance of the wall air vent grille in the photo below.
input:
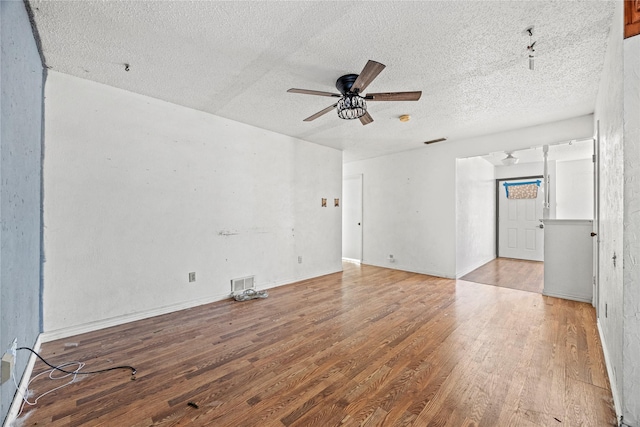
(242, 284)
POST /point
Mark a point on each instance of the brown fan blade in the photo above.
(320, 113)
(394, 96)
(369, 72)
(314, 92)
(366, 119)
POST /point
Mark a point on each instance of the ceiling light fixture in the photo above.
(530, 47)
(510, 160)
(351, 106)
(404, 118)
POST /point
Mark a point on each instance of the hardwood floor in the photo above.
(510, 273)
(369, 346)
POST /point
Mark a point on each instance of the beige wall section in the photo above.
(140, 192)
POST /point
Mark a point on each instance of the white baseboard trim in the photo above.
(127, 318)
(401, 267)
(612, 378)
(579, 298)
(301, 278)
(14, 409)
(474, 266)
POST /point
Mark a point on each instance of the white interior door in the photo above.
(596, 220)
(520, 234)
(352, 218)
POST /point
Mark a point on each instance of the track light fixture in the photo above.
(530, 47)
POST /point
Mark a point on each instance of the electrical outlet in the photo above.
(7, 367)
(8, 359)
(192, 276)
(299, 259)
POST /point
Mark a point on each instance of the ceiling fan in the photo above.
(352, 104)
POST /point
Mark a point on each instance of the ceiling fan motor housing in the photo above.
(344, 83)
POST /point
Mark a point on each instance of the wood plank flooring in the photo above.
(510, 273)
(365, 347)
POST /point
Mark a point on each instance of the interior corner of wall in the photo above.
(610, 372)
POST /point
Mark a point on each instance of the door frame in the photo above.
(596, 220)
(360, 178)
(498, 181)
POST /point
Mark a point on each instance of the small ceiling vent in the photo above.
(433, 141)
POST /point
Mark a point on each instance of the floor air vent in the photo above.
(242, 284)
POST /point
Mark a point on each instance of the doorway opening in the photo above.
(352, 218)
(568, 192)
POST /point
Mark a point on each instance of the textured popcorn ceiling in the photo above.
(237, 59)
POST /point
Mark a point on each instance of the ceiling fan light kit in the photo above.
(352, 105)
(510, 160)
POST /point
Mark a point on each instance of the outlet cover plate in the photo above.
(7, 367)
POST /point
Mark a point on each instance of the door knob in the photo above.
(541, 226)
(593, 234)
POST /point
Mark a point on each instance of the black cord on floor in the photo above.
(133, 370)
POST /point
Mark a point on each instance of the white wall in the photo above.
(140, 192)
(609, 112)
(475, 214)
(521, 169)
(574, 189)
(631, 239)
(409, 198)
(21, 81)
